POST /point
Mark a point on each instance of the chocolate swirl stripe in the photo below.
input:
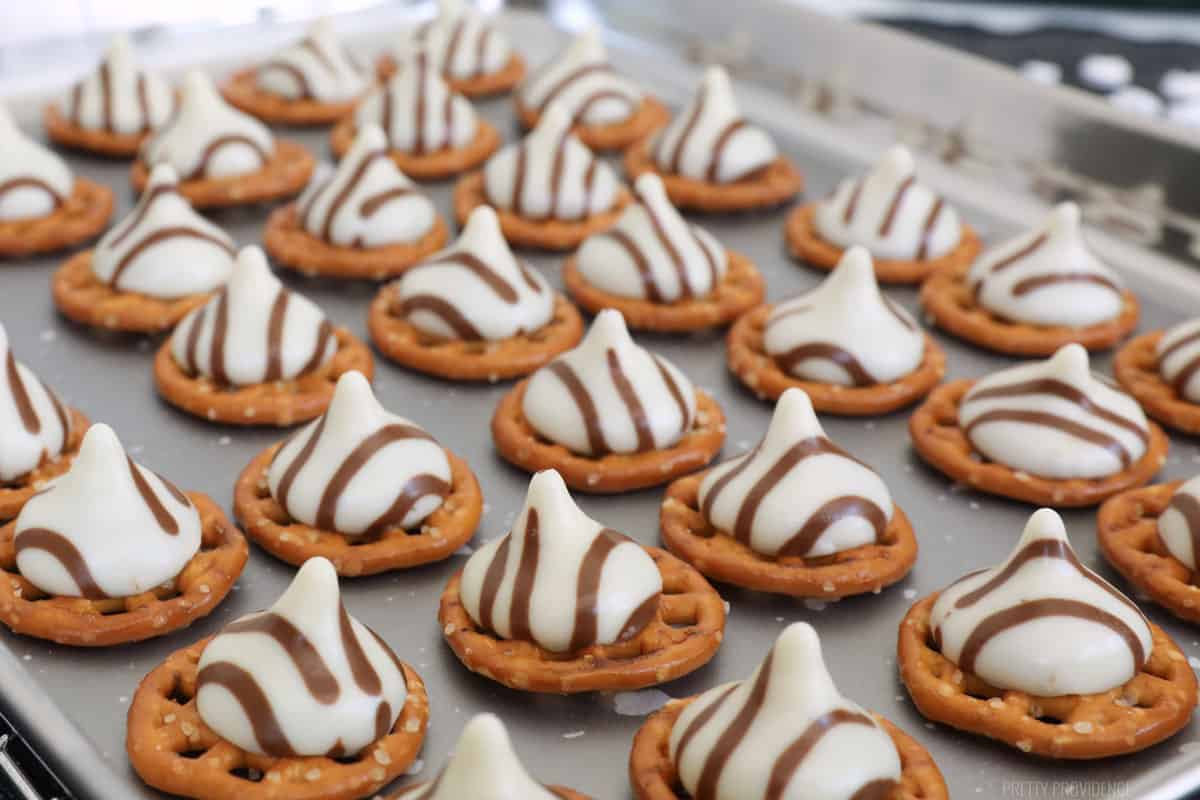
(732, 736)
(521, 599)
(317, 677)
(255, 705)
(1064, 391)
(143, 101)
(830, 352)
(1032, 284)
(147, 201)
(852, 202)
(631, 401)
(158, 237)
(106, 96)
(443, 310)
(293, 72)
(900, 316)
(417, 487)
(722, 141)
(360, 666)
(676, 258)
(685, 418)
(784, 312)
(640, 263)
(806, 448)
(1189, 507)
(793, 756)
(390, 653)
(587, 593)
(885, 227)
(481, 270)
(164, 518)
(340, 199)
(31, 182)
(570, 79)
(275, 336)
(383, 719)
(60, 411)
(1009, 261)
(1031, 610)
(284, 490)
(215, 146)
(220, 330)
(64, 551)
(1057, 423)
(584, 403)
(324, 335)
(828, 515)
(935, 211)
(676, 159)
(195, 325)
(20, 395)
(1184, 341)
(371, 204)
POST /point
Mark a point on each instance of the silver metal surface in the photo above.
(581, 741)
(12, 771)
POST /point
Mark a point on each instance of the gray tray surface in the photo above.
(577, 741)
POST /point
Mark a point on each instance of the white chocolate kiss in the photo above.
(463, 42)
(610, 395)
(366, 201)
(709, 140)
(34, 424)
(417, 110)
(477, 289)
(1041, 622)
(1178, 353)
(484, 767)
(800, 736)
(653, 253)
(358, 468)
(107, 527)
(845, 331)
(1047, 276)
(119, 96)
(1054, 419)
(582, 80)
(889, 212)
(318, 67)
(521, 177)
(207, 137)
(796, 493)
(1179, 524)
(330, 685)
(33, 180)
(254, 330)
(164, 248)
(565, 581)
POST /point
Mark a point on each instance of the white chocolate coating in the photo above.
(582, 80)
(653, 253)
(119, 96)
(521, 178)
(34, 424)
(358, 468)
(796, 493)
(609, 395)
(484, 767)
(107, 527)
(164, 248)
(1179, 524)
(1178, 354)
(463, 43)
(254, 330)
(417, 110)
(565, 582)
(366, 201)
(33, 180)
(477, 289)
(1042, 622)
(890, 213)
(786, 733)
(207, 137)
(318, 67)
(328, 684)
(845, 331)
(1047, 276)
(709, 140)
(1054, 419)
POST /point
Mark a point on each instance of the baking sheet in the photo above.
(578, 741)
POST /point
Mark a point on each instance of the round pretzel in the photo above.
(540, 234)
(172, 749)
(1136, 368)
(431, 166)
(770, 186)
(1152, 706)
(741, 288)
(14, 495)
(475, 87)
(286, 173)
(649, 116)
(806, 244)
(939, 440)
(445, 530)
(1127, 530)
(289, 244)
(241, 90)
(683, 636)
(749, 361)
(463, 360)
(110, 144)
(520, 444)
(653, 776)
(281, 403)
(720, 557)
(81, 622)
(81, 216)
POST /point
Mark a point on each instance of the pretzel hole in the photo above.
(191, 755)
(178, 694)
(247, 773)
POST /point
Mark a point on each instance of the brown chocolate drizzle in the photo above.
(29, 416)
(1066, 392)
(793, 756)
(214, 147)
(30, 182)
(584, 403)
(830, 352)
(317, 677)
(158, 237)
(587, 594)
(732, 736)
(1189, 508)
(275, 336)
(164, 518)
(293, 72)
(1058, 423)
(64, 551)
(360, 666)
(885, 227)
(1009, 261)
(519, 623)
(1028, 285)
(443, 310)
(253, 700)
(829, 514)
(685, 417)
(637, 412)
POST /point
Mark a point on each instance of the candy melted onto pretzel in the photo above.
(118, 97)
(463, 44)
(318, 67)
(34, 182)
(582, 80)
(35, 426)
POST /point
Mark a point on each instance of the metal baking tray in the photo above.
(71, 702)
